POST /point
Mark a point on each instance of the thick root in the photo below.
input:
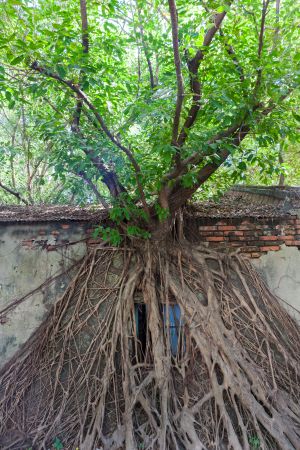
(222, 375)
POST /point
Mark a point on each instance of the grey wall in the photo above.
(281, 271)
(30, 254)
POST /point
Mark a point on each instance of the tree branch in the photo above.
(75, 88)
(177, 62)
(85, 49)
(196, 158)
(193, 66)
(93, 187)
(14, 193)
(265, 4)
(178, 195)
(277, 28)
(84, 26)
(145, 48)
(108, 177)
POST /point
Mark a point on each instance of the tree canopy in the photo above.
(144, 101)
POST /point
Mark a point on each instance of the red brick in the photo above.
(288, 238)
(233, 233)
(42, 232)
(55, 233)
(295, 243)
(287, 231)
(268, 238)
(254, 233)
(226, 227)
(291, 221)
(249, 227)
(211, 233)
(274, 248)
(236, 238)
(215, 238)
(233, 243)
(228, 233)
(28, 243)
(65, 226)
(249, 249)
(221, 222)
(3, 320)
(206, 233)
(51, 248)
(208, 228)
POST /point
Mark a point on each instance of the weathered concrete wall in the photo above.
(31, 254)
(281, 271)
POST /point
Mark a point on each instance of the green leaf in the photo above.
(297, 116)
(17, 60)
(242, 165)
(61, 71)
(57, 444)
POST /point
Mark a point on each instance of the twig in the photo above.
(89, 182)
(14, 193)
(233, 56)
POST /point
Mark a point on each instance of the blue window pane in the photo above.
(175, 325)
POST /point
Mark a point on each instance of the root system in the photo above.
(178, 347)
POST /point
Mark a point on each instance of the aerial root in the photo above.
(174, 348)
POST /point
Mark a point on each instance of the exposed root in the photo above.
(232, 382)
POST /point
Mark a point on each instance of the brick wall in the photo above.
(54, 236)
(253, 236)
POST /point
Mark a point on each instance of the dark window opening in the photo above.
(140, 312)
(171, 316)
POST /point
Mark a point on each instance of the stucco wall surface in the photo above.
(31, 254)
(281, 271)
